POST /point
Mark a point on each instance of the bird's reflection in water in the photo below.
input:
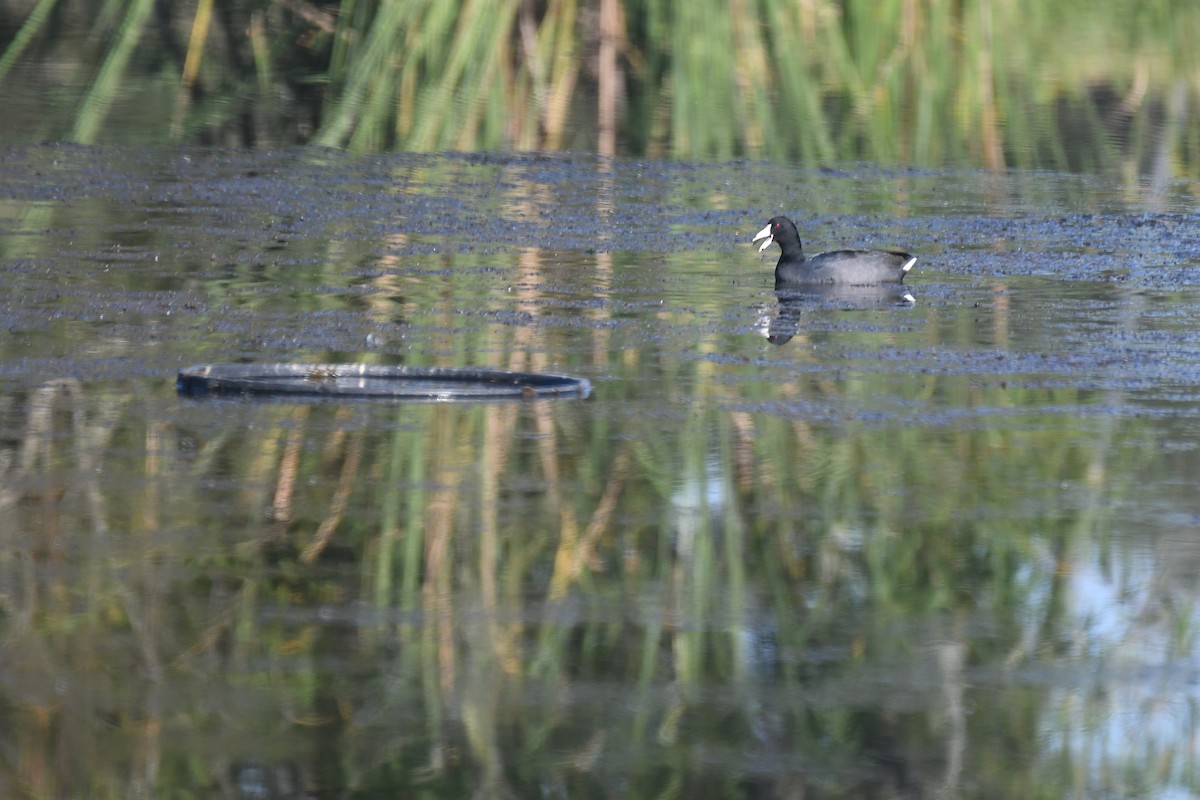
(794, 300)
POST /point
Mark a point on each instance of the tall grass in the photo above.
(990, 82)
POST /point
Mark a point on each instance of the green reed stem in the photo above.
(108, 81)
(32, 26)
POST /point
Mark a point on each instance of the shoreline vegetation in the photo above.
(1089, 87)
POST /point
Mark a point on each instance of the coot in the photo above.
(852, 267)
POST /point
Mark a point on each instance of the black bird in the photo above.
(848, 267)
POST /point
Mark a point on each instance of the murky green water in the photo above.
(947, 547)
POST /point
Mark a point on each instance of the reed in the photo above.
(925, 82)
(38, 17)
(103, 90)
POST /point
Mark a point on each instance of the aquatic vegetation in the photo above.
(1069, 85)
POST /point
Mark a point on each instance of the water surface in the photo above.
(833, 545)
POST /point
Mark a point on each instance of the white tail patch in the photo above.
(909, 265)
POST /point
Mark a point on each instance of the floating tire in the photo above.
(372, 381)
